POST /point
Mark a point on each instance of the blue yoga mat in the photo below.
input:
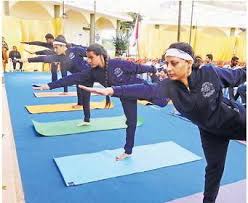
(85, 168)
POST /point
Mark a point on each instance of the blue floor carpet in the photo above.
(42, 181)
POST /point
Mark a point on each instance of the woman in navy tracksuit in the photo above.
(197, 95)
(49, 51)
(111, 72)
(72, 60)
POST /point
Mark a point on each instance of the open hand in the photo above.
(41, 87)
(101, 91)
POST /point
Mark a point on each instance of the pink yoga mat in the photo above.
(230, 193)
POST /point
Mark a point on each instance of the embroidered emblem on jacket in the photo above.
(207, 89)
(118, 72)
(71, 55)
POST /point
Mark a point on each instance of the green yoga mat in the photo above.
(70, 126)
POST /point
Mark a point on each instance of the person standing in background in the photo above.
(233, 65)
(209, 59)
(14, 55)
(5, 49)
(49, 51)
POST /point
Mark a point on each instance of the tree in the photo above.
(128, 26)
(121, 41)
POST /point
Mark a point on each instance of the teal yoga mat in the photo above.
(70, 126)
(86, 168)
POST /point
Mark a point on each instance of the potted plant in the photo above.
(121, 44)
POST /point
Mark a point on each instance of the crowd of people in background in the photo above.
(199, 59)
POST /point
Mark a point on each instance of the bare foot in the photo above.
(83, 124)
(76, 106)
(122, 156)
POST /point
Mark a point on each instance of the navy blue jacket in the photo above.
(14, 55)
(203, 103)
(119, 72)
(73, 61)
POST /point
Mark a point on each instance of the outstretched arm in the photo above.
(135, 68)
(45, 52)
(42, 52)
(101, 91)
(231, 77)
(45, 59)
(155, 92)
(77, 78)
(38, 43)
(139, 91)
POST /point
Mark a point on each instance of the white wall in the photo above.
(29, 10)
(73, 28)
(106, 30)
